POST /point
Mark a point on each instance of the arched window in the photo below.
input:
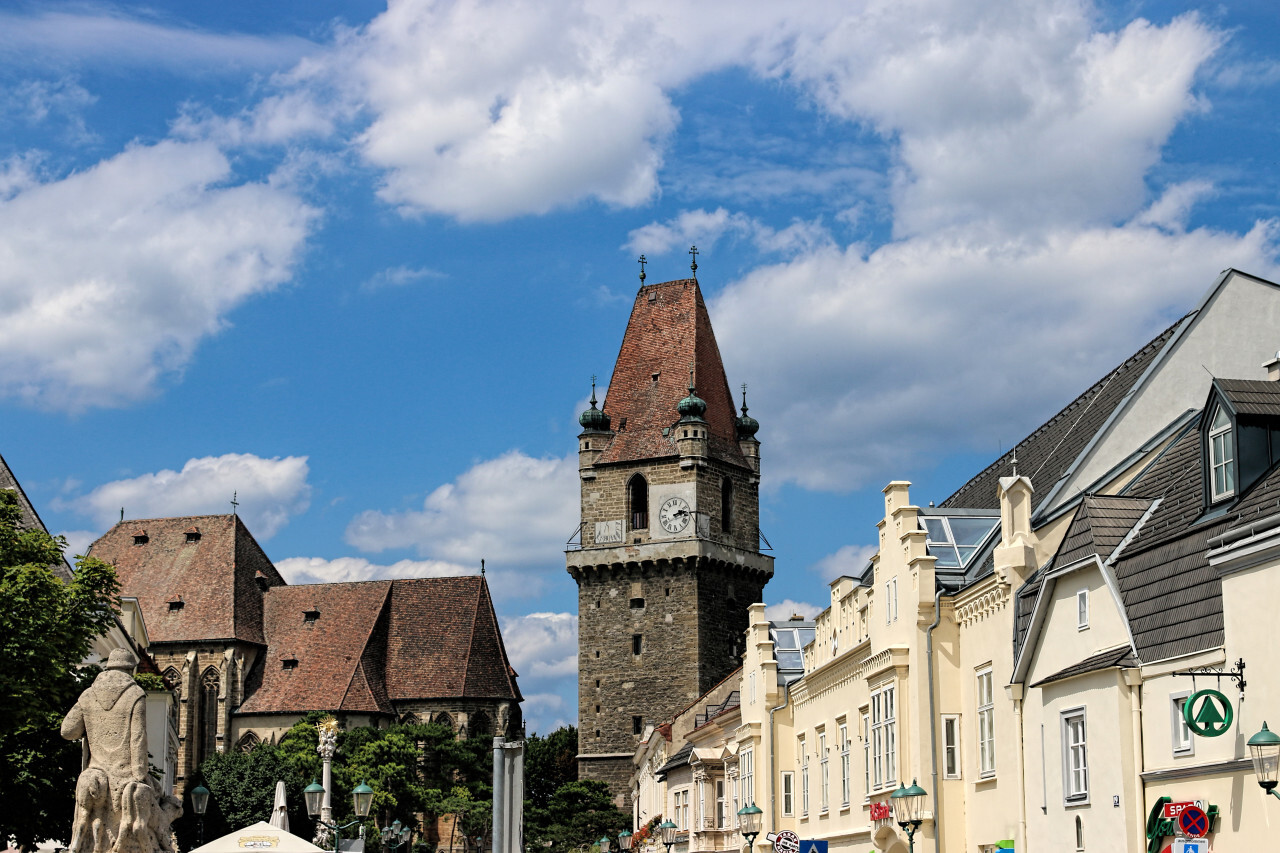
(209, 684)
(444, 720)
(638, 498)
(409, 719)
(726, 505)
(172, 678)
(248, 742)
(479, 724)
(1079, 833)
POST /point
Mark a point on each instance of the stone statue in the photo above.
(119, 807)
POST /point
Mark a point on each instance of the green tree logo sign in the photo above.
(1208, 713)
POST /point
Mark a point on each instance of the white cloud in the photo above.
(786, 609)
(102, 35)
(543, 649)
(78, 541)
(849, 560)
(514, 509)
(705, 228)
(270, 492)
(400, 276)
(113, 275)
(862, 365)
(504, 584)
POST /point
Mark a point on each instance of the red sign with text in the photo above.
(880, 811)
(1172, 810)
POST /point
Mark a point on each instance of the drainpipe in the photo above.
(933, 718)
(1018, 694)
(773, 757)
(1133, 678)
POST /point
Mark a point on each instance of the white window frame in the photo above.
(824, 774)
(1221, 456)
(951, 766)
(1075, 756)
(846, 783)
(866, 755)
(1183, 741)
(1082, 609)
(884, 736)
(680, 806)
(788, 793)
(891, 600)
(804, 779)
(720, 813)
(985, 700)
(747, 773)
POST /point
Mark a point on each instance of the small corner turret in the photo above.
(594, 437)
(1015, 556)
(747, 427)
(691, 430)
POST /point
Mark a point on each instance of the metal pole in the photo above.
(499, 795)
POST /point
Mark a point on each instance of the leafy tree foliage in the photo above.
(46, 629)
(560, 811)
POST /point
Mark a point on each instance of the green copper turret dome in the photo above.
(693, 407)
(593, 419)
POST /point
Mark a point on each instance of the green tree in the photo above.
(242, 788)
(549, 762)
(46, 629)
(577, 812)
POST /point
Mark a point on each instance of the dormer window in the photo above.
(1222, 467)
(140, 537)
(309, 617)
(193, 534)
(288, 662)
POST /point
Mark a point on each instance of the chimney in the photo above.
(1273, 367)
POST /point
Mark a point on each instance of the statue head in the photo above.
(121, 659)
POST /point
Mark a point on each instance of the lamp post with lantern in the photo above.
(669, 831)
(624, 841)
(906, 804)
(199, 805)
(314, 794)
(1264, 749)
(395, 836)
(749, 820)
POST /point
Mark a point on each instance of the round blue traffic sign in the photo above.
(1194, 822)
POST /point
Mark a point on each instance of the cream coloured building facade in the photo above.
(1019, 649)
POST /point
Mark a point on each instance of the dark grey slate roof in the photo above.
(1025, 604)
(680, 759)
(1047, 453)
(1121, 656)
(1252, 396)
(1100, 523)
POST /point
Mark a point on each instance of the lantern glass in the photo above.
(1264, 749)
(669, 832)
(314, 795)
(603, 844)
(749, 819)
(624, 840)
(362, 797)
(199, 799)
(907, 802)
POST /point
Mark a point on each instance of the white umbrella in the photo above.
(279, 815)
(260, 838)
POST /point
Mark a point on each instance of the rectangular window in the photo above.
(1183, 742)
(746, 768)
(788, 794)
(891, 601)
(986, 726)
(751, 692)
(637, 643)
(845, 781)
(1075, 760)
(866, 754)
(637, 725)
(862, 625)
(823, 774)
(804, 779)
(951, 746)
(1082, 609)
(1222, 455)
(884, 747)
(719, 804)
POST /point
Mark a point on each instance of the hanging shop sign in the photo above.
(880, 811)
(786, 841)
(1208, 713)
(1167, 818)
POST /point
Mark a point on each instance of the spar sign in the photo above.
(1190, 818)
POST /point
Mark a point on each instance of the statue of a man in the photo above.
(119, 809)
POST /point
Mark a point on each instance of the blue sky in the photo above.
(358, 264)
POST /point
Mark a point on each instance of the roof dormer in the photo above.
(1240, 436)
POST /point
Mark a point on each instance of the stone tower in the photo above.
(670, 538)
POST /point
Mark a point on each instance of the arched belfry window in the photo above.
(726, 505)
(210, 682)
(638, 499)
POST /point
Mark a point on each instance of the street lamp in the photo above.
(669, 831)
(199, 805)
(362, 799)
(749, 818)
(624, 840)
(1264, 749)
(603, 844)
(906, 804)
(395, 836)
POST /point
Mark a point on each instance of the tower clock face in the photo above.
(674, 515)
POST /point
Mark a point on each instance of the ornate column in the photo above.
(328, 731)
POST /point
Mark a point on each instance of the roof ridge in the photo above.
(471, 644)
(508, 671)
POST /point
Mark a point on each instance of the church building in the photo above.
(248, 654)
(669, 558)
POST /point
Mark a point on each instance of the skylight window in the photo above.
(955, 539)
(787, 645)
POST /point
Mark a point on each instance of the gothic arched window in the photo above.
(248, 742)
(444, 720)
(172, 678)
(638, 499)
(479, 724)
(209, 685)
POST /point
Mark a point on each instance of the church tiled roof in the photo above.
(192, 586)
(30, 518)
(669, 332)
(318, 638)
